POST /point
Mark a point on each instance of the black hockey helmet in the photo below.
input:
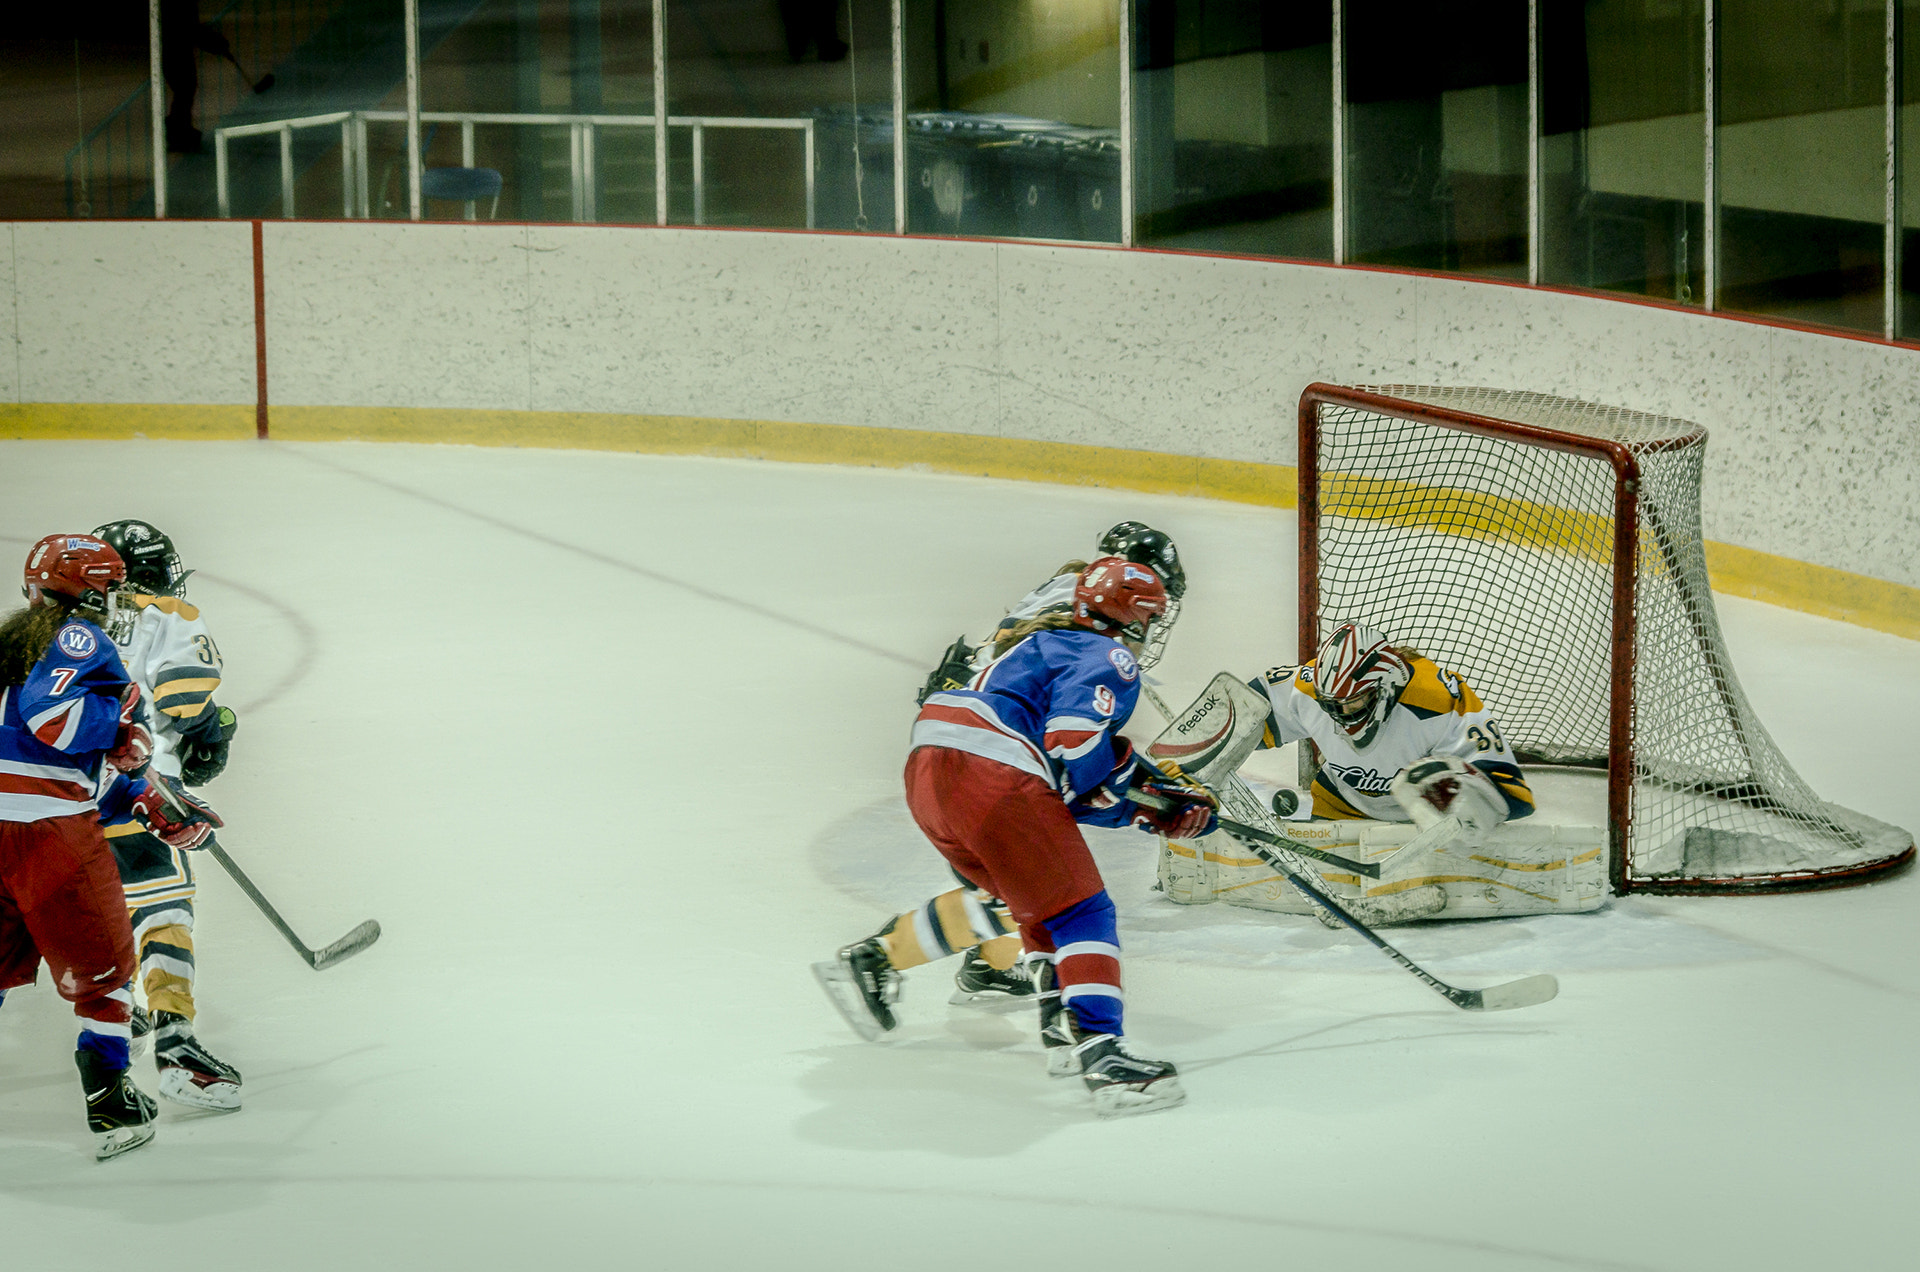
(152, 564)
(1143, 545)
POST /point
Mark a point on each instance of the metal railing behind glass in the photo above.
(583, 164)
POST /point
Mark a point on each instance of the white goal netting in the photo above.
(1481, 526)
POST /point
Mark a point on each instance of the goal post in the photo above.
(1550, 551)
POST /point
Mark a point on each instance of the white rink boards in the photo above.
(610, 745)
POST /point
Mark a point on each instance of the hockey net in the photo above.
(1550, 551)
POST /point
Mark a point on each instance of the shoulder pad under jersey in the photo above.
(1433, 691)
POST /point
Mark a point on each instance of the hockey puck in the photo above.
(1286, 802)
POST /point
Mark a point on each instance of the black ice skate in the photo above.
(1121, 1082)
(119, 1114)
(979, 981)
(861, 984)
(189, 1073)
(142, 1031)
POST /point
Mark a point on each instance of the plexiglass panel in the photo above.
(1800, 153)
(760, 92)
(1907, 311)
(1013, 124)
(1233, 126)
(1437, 134)
(532, 110)
(1623, 147)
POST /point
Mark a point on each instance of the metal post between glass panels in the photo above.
(413, 109)
(1890, 260)
(157, 109)
(699, 174)
(810, 173)
(1534, 219)
(466, 156)
(286, 171)
(589, 174)
(1126, 123)
(1710, 210)
(346, 168)
(1339, 135)
(899, 123)
(220, 172)
(660, 112)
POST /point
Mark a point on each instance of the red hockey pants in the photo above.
(60, 900)
(1005, 831)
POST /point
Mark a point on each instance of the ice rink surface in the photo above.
(610, 745)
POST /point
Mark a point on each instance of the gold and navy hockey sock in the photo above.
(951, 922)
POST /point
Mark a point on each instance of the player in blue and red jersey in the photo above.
(999, 774)
(71, 742)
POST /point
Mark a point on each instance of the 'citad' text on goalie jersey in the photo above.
(56, 725)
(1437, 715)
(1051, 706)
(170, 655)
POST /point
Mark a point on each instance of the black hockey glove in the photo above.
(954, 671)
(203, 748)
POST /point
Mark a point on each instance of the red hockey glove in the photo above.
(132, 745)
(1171, 806)
(175, 817)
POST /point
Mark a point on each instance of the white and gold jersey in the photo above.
(1437, 715)
(170, 655)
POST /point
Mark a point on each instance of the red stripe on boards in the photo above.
(259, 333)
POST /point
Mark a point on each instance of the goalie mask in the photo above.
(1119, 598)
(1357, 680)
(153, 566)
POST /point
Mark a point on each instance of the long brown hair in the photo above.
(25, 636)
(1028, 626)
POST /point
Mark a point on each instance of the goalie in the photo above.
(1401, 740)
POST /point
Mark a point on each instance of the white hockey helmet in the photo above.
(1357, 679)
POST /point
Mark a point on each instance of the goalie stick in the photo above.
(319, 960)
(1528, 991)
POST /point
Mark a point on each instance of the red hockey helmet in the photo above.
(78, 567)
(1118, 597)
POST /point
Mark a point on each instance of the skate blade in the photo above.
(1062, 1063)
(1121, 1100)
(846, 1000)
(121, 1139)
(990, 998)
(178, 1085)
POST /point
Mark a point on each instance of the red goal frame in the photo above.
(1626, 545)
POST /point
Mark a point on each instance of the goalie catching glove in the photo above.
(1442, 786)
(172, 815)
(1171, 806)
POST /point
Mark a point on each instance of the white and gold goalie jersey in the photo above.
(1437, 715)
(171, 656)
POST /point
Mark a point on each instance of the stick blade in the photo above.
(1528, 991)
(347, 946)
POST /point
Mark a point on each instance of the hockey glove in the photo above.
(203, 751)
(132, 745)
(174, 817)
(954, 671)
(1443, 786)
(1171, 806)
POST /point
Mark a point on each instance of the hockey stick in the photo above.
(319, 960)
(1240, 830)
(1528, 991)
